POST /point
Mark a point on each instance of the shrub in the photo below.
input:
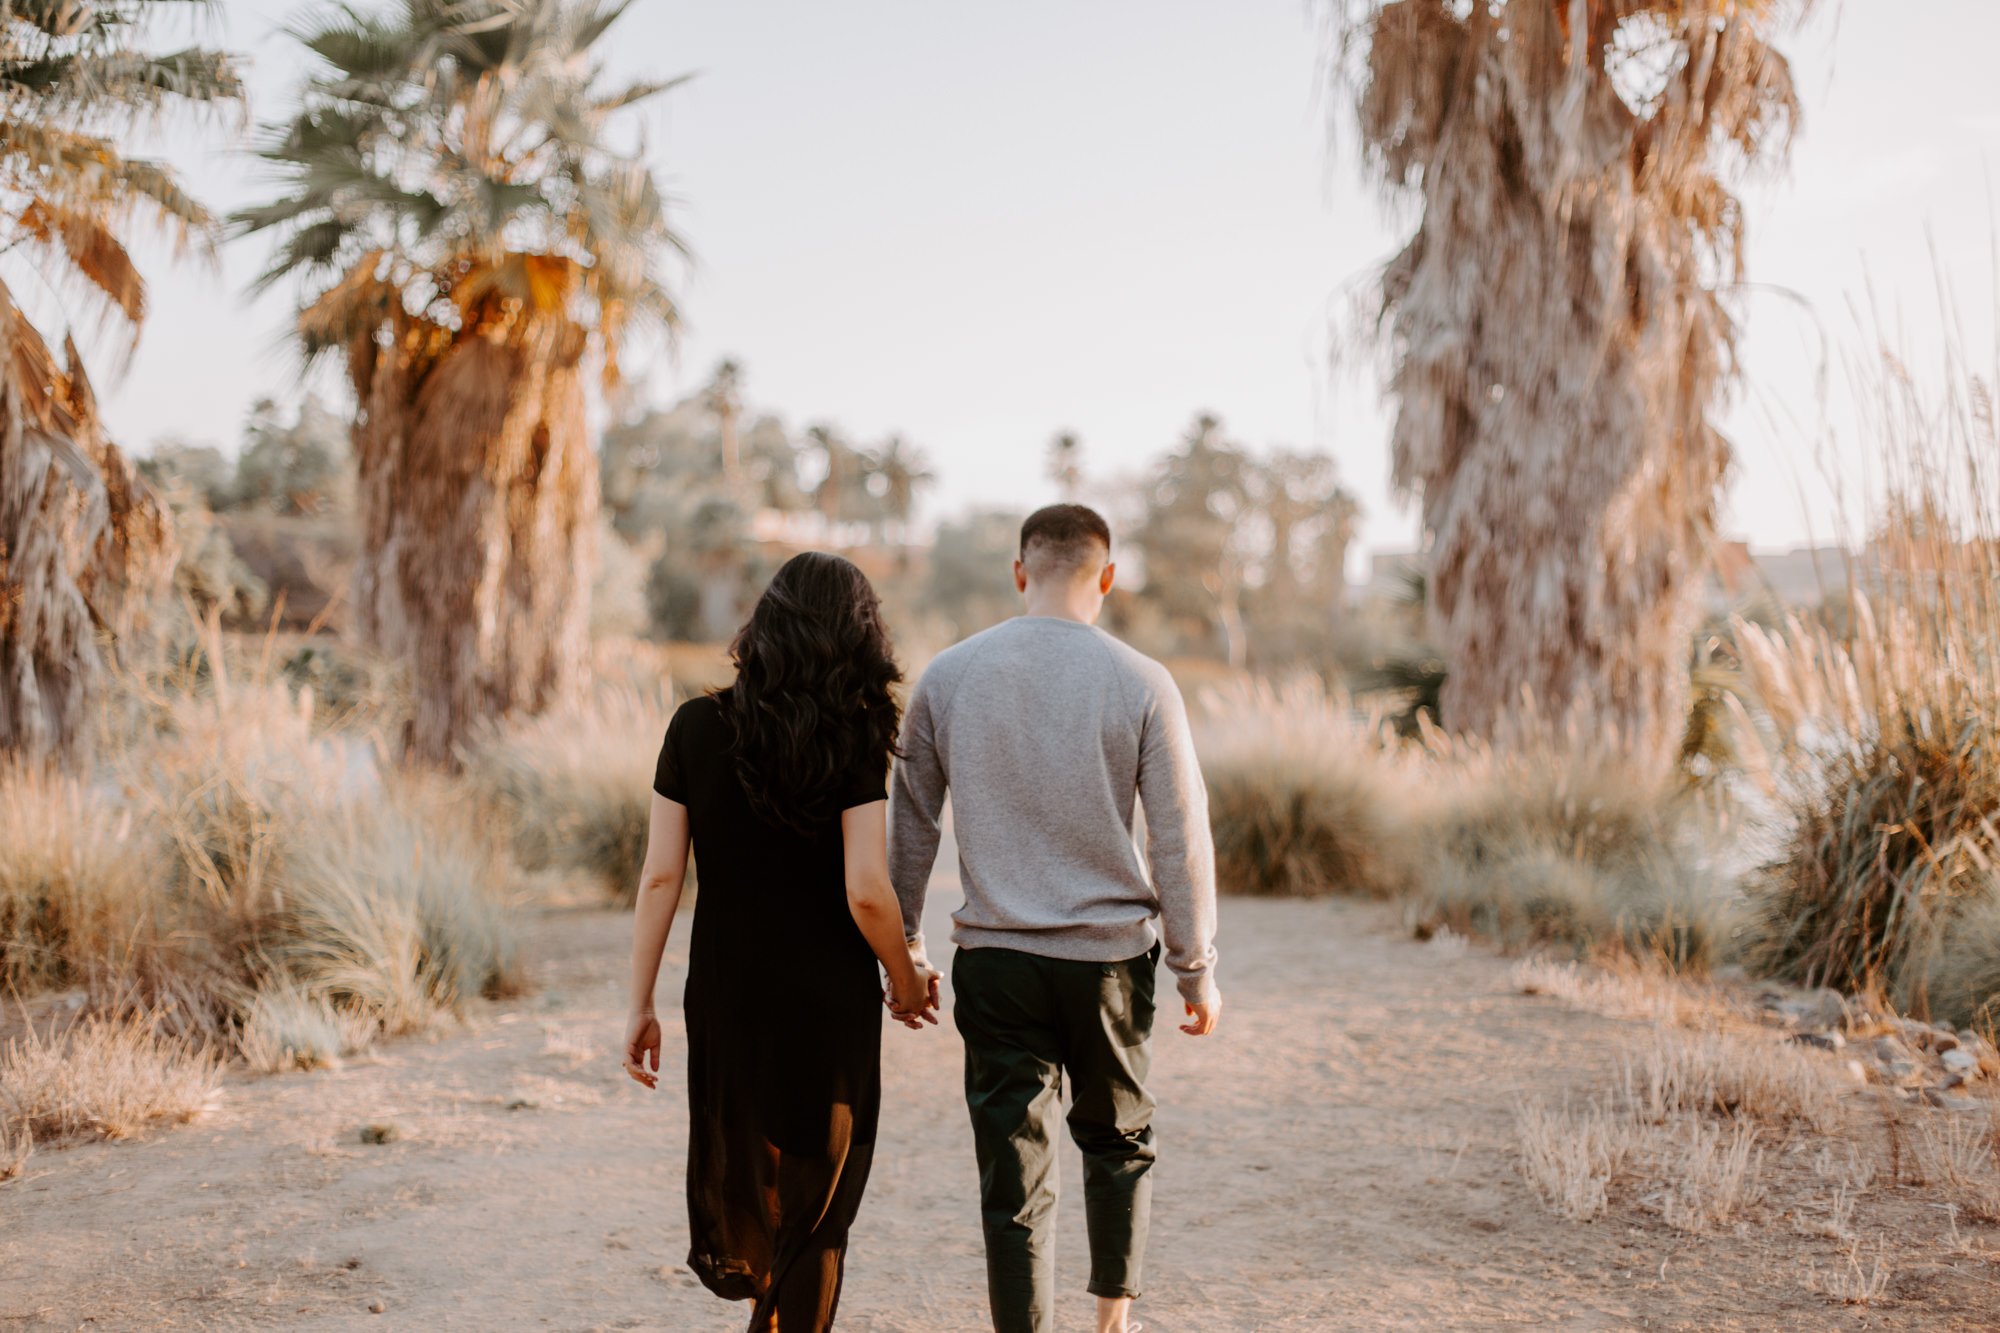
(1542, 847)
(575, 788)
(251, 880)
(1552, 843)
(1305, 797)
(1882, 723)
(73, 883)
(389, 919)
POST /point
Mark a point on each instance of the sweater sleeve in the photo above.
(1178, 843)
(916, 807)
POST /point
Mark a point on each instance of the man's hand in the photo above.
(642, 1039)
(1205, 1016)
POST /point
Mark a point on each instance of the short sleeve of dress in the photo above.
(867, 782)
(667, 778)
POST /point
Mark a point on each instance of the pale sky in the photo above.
(979, 225)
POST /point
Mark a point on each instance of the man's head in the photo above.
(1065, 564)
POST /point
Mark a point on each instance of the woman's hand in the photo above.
(642, 1039)
(913, 997)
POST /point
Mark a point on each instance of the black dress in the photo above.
(784, 1028)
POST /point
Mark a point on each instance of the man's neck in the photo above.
(1061, 605)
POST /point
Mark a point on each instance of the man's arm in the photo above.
(1179, 846)
(916, 805)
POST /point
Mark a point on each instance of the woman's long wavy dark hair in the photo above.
(811, 701)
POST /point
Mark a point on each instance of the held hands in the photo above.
(913, 999)
(642, 1039)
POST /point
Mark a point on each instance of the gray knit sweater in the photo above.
(1044, 730)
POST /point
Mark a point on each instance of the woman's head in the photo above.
(811, 701)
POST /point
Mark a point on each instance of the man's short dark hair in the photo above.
(1060, 540)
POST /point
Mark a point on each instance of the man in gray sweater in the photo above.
(1044, 730)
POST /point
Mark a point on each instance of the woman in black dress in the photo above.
(779, 781)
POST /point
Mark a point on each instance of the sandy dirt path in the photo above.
(1340, 1156)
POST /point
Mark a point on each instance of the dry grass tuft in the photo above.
(1645, 996)
(1760, 1079)
(106, 1077)
(289, 1026)
(1570, 1157)
(1852, 1284)
(1831, 1219)
(252, 880)
(1962, 1153)
(1310, 796)
(575, 788)
(15, 1150)
(1714, 1177)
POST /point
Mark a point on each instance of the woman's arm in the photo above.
(872, 899)
(660, 881)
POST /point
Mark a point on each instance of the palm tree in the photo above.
(724, 397)
(1560, 334)
(1065, 464)
(80, 535)
(902, 470)
(1192, 539)
(841, 497)
(467, 235)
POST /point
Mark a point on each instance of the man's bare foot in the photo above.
(1112, 1315)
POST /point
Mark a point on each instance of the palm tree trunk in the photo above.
(479, 498)
(82, 543)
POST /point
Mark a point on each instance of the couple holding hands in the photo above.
(814, 865)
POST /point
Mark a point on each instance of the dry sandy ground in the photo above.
(1340, 1156)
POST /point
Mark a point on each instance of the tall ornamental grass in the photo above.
(1885, 730)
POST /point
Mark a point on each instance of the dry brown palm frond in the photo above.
(85, 544)
(74, 80)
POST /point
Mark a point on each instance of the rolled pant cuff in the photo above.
(1111, 1291)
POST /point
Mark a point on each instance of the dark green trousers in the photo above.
(1026, 1021)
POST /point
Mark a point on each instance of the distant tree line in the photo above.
(682, 488)
(1233, 555)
